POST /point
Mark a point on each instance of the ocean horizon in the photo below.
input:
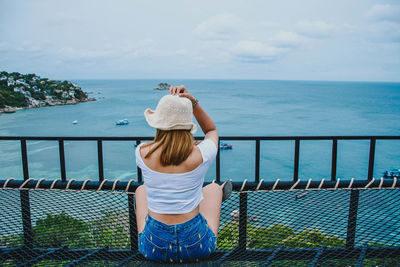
(238, 107)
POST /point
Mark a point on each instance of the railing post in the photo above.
(242, 221)
(296, 160)
(62, 159)
(25, 203)
(371, 158)
(352, 220)
(218, 165)
(139, 171)
(24, 155)
(334, 160)
(132, 223)
(257, 174)
(100, 159)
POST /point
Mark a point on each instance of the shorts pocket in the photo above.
(150, 250)
(202, 248)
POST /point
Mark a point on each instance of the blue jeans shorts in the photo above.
(190, 241)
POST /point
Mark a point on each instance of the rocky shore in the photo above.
(49, 103)
(23, 91)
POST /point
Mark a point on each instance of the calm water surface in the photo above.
(238, 107)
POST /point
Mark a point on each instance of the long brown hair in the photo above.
(176, 146)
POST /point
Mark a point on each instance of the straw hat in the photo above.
(172, 113)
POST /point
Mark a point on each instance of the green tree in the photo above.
(80, 94)
(57, 230)
(270, 237)
(111, 230)
(14, 99)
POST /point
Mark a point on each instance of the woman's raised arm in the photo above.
(206, 123)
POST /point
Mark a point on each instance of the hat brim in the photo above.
(153, 121)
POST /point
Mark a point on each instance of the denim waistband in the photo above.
(175, 227)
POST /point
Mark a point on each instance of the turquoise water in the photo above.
(238, 107)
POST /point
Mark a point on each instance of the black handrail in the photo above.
(257, 140)
(237, 186)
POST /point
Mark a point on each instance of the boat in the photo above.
(75, 122)
(122, 122)
(393, 173)
(9, 110)
(163, 86)
(223, 145)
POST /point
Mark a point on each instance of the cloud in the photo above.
(25, 46)
(271, 49)
(315, 29)
(385, 23)
(286, 39)
(384, 32)
(255, 52)
(386, 12)
(145, 48)
(220, 27)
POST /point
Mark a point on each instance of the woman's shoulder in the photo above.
(208, 149)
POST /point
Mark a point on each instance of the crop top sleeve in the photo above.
(208, 150)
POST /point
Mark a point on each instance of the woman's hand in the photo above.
(182, 92)
(206, 123)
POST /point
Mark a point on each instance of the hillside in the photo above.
(19, 91)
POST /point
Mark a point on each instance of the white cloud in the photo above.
(145, 48)
(255, 52)
(384, 24)
(288, 39)
(315, 29)
(385, 13)
(220, 27)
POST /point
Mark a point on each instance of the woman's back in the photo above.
(153, 161)
(175, 191)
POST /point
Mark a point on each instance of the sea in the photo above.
(239, 108)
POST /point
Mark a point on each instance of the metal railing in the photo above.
(257, 140)
(239, 252)
(251, 185)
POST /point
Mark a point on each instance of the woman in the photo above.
(177, 219)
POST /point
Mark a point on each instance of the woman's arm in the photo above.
(206, 123)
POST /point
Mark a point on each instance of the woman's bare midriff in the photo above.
(171, 219)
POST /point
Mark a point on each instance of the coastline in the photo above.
(51, 103)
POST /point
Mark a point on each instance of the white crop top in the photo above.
(176, 193)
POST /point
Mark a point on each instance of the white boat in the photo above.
(75, 122)
(122, 122)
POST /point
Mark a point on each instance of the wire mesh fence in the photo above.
(258, 228)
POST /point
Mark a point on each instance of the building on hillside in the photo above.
(10, 81)
(19, 89)
(27, 93)
(21, 81)
(65, 95)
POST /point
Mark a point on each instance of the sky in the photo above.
(337, 40)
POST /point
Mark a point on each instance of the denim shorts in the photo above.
(190, 241)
